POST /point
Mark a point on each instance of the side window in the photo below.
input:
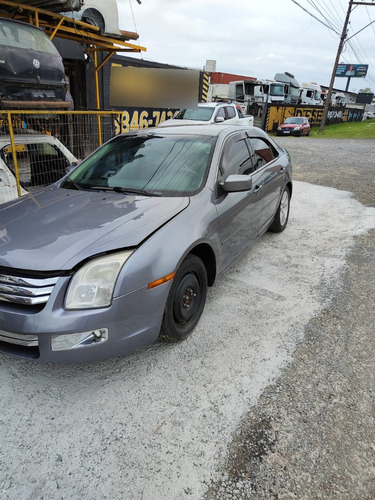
(38, 164)
(23, 161)
(221, 113)
(47, 163)
(263, 152)
(47, 149)
(236, 157)
(240, 113)
(231, 113)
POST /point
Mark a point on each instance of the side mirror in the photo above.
(235, 183)
(219, 119)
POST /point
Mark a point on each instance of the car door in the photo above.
(269, 173)
(219, 113)
(239, 213)
(305, 126)
(231, 114)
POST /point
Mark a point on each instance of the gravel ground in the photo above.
(344, 164)
(272, 397)
(312, 433)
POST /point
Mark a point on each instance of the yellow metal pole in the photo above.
(14, 153)
(57, 28)
(97, 98)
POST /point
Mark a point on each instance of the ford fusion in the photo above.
(121, 251)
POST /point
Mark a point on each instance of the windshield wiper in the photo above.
(125, 190)
(118, 189)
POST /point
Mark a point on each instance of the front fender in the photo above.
(162, 253)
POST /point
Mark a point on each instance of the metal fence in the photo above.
(37, 147)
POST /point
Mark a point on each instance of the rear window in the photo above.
(202, 114)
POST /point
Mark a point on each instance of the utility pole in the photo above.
(339, 50)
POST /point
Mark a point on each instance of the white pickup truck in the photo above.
(210, 112)
(42, 159)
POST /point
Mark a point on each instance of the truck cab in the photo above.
(311, 94)
(288, 85)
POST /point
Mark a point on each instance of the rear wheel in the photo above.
(185, 301)
(282, 215)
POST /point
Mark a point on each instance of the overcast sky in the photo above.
(254, 37)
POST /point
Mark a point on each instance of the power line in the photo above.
(327, 15)
(316, 18)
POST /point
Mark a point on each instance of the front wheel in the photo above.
(282, 215)
(186, 300)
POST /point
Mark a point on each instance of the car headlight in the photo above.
(92, 286)
(297, 128)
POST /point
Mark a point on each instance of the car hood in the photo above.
(291, 125)
(55, 229)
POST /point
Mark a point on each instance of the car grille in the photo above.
(26, 290)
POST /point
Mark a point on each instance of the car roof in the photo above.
(27, 138)
(213, 130)
(21, 23)
(213, 104)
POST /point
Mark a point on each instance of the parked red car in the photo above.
(295, 125)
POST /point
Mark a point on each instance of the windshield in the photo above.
(202, 114)
(277, 89)
(153, 165)
(294, 120)
(294, 91)
(22, 36)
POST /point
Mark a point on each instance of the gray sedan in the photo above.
(121, 251)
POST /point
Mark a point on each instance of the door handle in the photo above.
(258, 188)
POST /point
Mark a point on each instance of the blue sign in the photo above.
(354, 70)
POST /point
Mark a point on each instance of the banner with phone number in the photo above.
(136, 118)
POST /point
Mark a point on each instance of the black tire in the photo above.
(186, 300)
(282, 215)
